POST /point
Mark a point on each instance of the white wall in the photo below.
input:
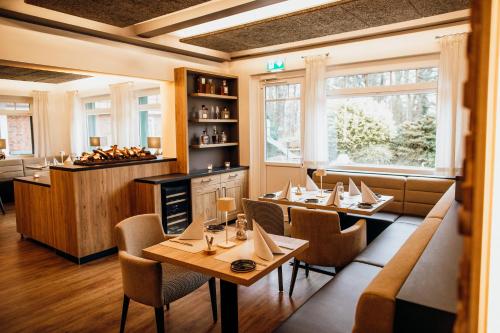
(250, 70)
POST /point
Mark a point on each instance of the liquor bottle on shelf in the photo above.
(215, 136)
(224, 89)
(203, 112)
(212, 112)
(207, 86)
(225, 113)
(200, 84)
(223, 137)
(204, 138)
(212, 87)
(217, 113)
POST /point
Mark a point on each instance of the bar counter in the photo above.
(75, 208)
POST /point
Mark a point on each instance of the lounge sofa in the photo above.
(362, 297)
(12, 168)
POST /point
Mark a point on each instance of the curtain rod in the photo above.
(326, 54)
(458, 33)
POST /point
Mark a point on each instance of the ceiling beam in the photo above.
(197, 15)
(173, 45)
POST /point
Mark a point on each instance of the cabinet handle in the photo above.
(232, 176)
(206, 181)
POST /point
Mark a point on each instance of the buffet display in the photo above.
(114, 155)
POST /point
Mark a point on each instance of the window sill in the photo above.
(284, 164)
(396, 171)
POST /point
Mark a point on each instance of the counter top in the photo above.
(42, 180)
(193, 174)
(74, 168)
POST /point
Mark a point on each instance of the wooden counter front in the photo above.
(77, 212)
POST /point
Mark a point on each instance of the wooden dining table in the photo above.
(348, 204)
(229, 281)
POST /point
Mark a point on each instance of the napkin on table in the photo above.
(310, 184)
(334, 198)
(286, 193)
(195, 229)
(367, 195)
(353, 189)
(264, 246)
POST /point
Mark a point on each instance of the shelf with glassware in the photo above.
(208, 104)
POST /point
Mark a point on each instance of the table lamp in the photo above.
(321, 173)
(226, 204)
(154, 142)
(3, 145)
(95, 141)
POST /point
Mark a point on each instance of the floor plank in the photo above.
(43, 292)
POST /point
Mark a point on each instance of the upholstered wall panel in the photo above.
(423, 193)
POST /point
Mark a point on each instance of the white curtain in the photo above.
(78, 136)
(452, 116)
(315, 132)
(124, 115)
(41, 129)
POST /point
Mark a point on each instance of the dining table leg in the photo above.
(228, 306)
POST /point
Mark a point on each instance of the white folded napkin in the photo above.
(353, 189)
(334, 198)
(195, 229)
(310, 184)
(367, 195)
(68, 161)
(286, 193)
(264, 246)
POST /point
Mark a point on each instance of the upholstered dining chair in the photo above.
(270, 217)
(150, 282)
(329, 246)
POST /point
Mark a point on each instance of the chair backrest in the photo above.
(267, 214)
(322, 230)
(138, 232)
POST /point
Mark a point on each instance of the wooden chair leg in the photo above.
(307, 270)
(126, 302)
(213, 297)
(280, 278)
(1, 206)
(296, 264)
(160, 323)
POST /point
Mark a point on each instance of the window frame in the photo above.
(3, 112)
(97, 111)
(416, 88)
(147, 107)
(277, 80)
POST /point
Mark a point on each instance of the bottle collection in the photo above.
(213, 113)
(216, 137)
(207, 86)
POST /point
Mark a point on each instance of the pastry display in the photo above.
(114, 155)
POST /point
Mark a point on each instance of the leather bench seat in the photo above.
(385, 246)
(416, 220)
(379, 216)
(333, 308)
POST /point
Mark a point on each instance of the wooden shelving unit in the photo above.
(215, 145)
(191, 155)
(212, 96)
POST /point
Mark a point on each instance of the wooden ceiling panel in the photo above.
(36, 75)
(120, 13)
(325, 20)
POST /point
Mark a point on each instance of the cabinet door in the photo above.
(204, 201)
(234, 189)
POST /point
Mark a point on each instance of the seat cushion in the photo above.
(177, 282)
(333, 307)
(385, 246)
(379, 216)
(416, 220)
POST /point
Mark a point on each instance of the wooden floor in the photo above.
(43, 292)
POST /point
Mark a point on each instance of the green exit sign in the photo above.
(276, 65)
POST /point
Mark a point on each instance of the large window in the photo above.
(98, 111)
(149, 115)
(385, 119)
(283, 122)
(16, 125)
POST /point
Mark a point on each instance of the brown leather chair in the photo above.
(150, 282)
(329, 246)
